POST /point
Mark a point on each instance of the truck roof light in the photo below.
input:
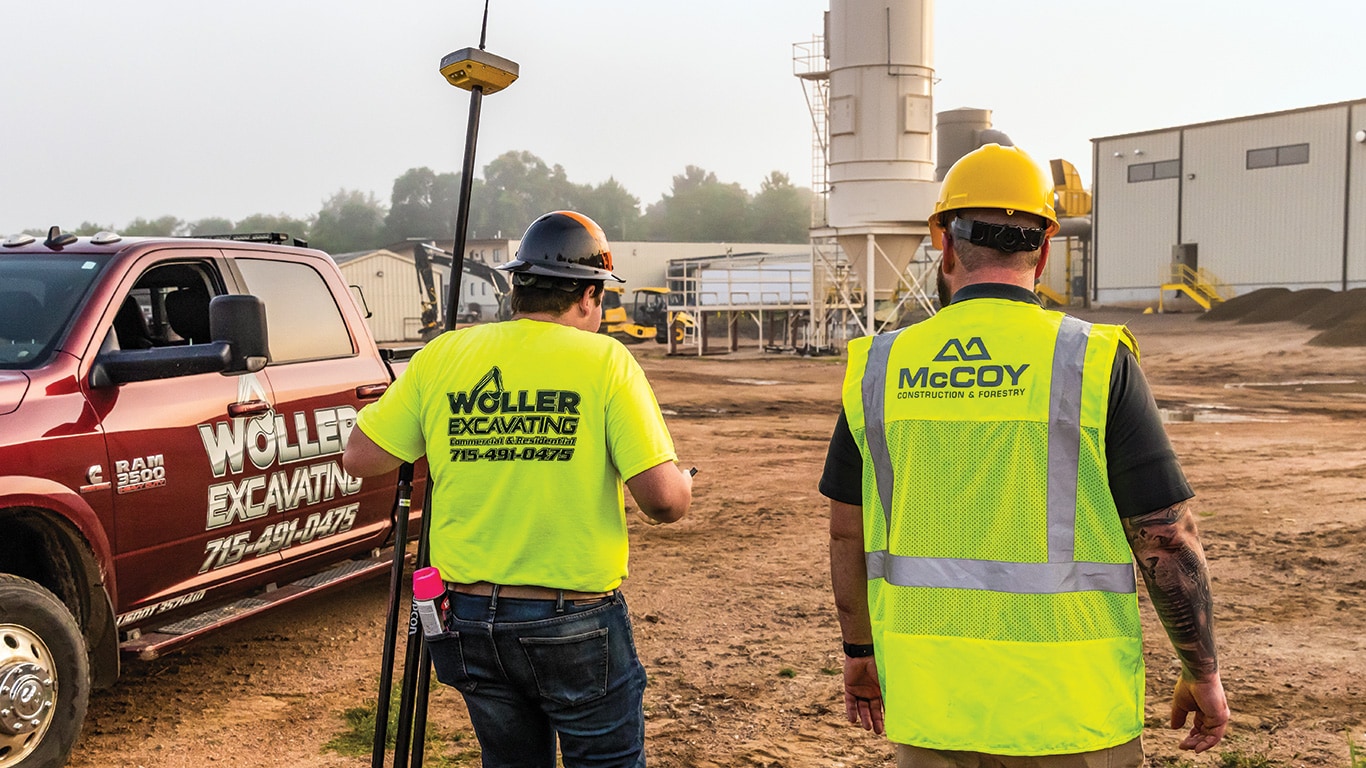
(105, 238)
(23, 238)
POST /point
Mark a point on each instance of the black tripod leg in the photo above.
(402, 503)
(424, 679)
(415, 658)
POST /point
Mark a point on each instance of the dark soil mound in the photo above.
(1350, 331)
(1332, 310)
(1287, 307)
(1238, 306)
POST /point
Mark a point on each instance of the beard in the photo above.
(944, 295)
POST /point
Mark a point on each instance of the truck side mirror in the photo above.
(240, 320)
(240, 345)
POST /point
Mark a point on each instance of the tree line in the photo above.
(515, 188)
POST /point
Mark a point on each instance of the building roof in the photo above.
(1297, 110)
(342, 258)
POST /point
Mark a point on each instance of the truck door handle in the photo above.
(249, 408)
(370, 391)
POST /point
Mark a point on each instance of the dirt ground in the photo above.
(732, 606)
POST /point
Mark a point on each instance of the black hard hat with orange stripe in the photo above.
(563, 244)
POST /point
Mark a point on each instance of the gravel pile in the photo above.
(1350, 331)
(1236, 307)
(1334, 309)
(1286, 307)
(1339, 315)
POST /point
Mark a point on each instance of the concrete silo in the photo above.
(879, 147)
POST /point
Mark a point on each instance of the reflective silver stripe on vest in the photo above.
(997, 576)
(1062, 573)
(874, 388)
(1064, 437)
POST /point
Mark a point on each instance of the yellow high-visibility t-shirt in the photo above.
(529, 428)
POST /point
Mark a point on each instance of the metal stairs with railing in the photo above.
(1200, 285)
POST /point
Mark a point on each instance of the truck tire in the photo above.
(44, 676)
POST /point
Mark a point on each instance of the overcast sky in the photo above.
(165, 107)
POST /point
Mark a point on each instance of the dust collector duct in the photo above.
(962, 130)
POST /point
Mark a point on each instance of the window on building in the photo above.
(1163, 169)
(1270, 157)
(1167, 169)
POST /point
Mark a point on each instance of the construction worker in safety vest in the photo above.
(994, 473)
(530, 427)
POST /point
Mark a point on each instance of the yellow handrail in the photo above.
(1200, 281)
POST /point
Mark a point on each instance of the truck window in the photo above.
(167, 306)
(302, 317)
(38, 296)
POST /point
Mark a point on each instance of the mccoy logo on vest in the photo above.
(961, 381)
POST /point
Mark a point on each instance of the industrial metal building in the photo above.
(1276, 199)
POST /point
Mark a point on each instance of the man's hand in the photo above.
(1205, 699)
(862, 694)
(662, 493)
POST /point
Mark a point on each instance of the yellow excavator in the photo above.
(427, 254)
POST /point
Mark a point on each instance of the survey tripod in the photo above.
(478, 72)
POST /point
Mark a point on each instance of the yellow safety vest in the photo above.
(1000, 583)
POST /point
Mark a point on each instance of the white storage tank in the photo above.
(881, 130)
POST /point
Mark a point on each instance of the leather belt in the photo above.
(524, 591)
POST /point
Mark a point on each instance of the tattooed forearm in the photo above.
(1167, 548)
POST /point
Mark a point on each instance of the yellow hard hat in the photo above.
(993, 176)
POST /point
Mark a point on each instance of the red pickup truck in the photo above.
(166, 465)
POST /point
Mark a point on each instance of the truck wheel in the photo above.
(44, 676)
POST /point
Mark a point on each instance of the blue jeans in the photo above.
(532, 671)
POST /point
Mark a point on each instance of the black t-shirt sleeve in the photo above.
(842, 479)
(1144, 473)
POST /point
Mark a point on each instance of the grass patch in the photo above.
(1356, 755)
(1235, 758)
(787, 672)
(441, 749)
(831, 670)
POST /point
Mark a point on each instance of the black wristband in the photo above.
(857, 651)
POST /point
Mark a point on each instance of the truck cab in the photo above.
(172, 418)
